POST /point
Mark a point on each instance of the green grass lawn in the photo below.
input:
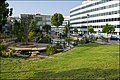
(93, 61)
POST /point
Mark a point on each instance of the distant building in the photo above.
(96, 13)
(42, 19)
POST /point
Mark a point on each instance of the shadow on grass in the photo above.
(84, 73)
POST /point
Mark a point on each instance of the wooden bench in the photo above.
(32, 51)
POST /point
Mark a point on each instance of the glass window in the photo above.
(110, 6)
(115, 12)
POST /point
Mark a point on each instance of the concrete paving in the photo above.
(109, 41)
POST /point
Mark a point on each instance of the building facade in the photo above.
(96, 13)
(42, 19)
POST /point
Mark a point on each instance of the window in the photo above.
(115, 12)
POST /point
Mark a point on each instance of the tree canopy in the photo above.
(108, 28)
(66, 28)
(90, 29)
(25, 29)
(4, 13)
(57, 19)
(47, 28)
(76, 30)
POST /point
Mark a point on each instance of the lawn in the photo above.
(93, 61)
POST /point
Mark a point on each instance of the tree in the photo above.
(24, 30)
(57, 19)
(28, 25)
(18, 31)
(47, 28)
(108, 28)
(90, 29)
(66, 29)
(4, 13)
(76, 30)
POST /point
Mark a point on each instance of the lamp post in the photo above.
(87, 23)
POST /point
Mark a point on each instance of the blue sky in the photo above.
(42, 7)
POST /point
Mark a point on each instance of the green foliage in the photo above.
(25, 29)
(66, 29)
(57, 19)
(18, 31)
(86, 40)
(30, 36)
(5, 35)
(47, 28)
(51, 50)
(43, 39)
(58, 45)
(76, 42)
(3, 49)
(76, 30)
(4, 13)
(108, 28)
(90, 29)
(68, 39)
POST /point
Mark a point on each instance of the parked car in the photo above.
(114, 38)
(81, 34)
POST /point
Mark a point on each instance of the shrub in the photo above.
(51, 50)
(76, 42)
(86, 40)
(59, 46)
(68, 39)
(30, 36)
(43, 39)
(5, 35)
(3, 49)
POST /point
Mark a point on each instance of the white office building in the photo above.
(96, 13)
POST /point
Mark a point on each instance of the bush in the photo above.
(59, 46)
(3, 49)
(30, 36)
(44, 39)
(76, 42)
(86, 40)
(5, 35)
(51, 50)
(68, 39)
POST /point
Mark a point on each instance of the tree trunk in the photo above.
(28, 30)
(26, 38)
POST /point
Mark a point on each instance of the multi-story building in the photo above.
(96, 13)
(42, 19)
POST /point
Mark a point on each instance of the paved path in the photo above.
(109, 41)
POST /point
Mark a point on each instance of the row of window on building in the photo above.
(97, 9)
(96, 26)
(96, 21)
(90, 5)
(96, 15)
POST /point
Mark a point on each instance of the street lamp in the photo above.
(87, 23)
